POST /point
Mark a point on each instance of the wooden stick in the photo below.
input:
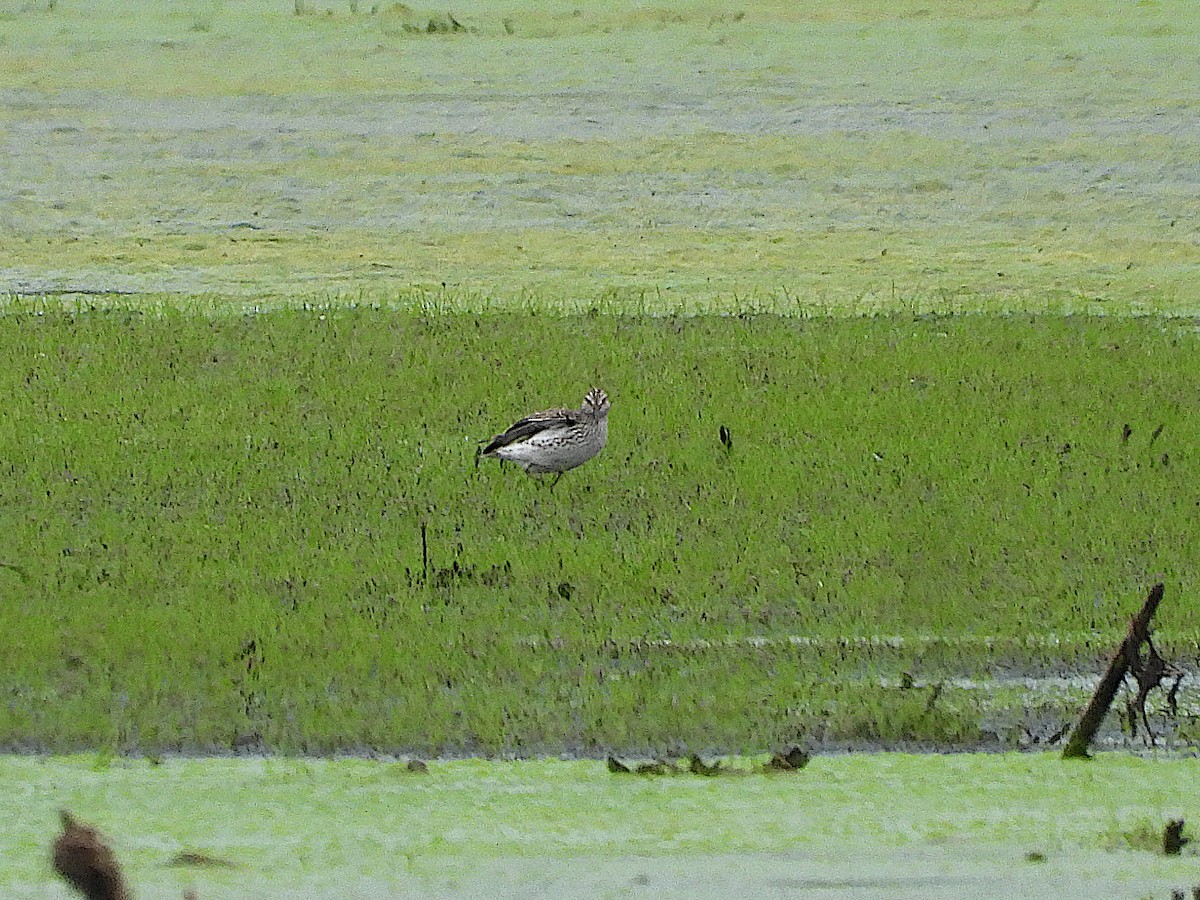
(1097, 708)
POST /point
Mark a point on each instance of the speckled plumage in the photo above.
(555, 440)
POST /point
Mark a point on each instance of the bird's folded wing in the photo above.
(533, 424)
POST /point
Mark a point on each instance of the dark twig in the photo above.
(1093, 715)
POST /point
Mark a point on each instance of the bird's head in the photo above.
(597, 403)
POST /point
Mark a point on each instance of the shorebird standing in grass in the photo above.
(555, 440)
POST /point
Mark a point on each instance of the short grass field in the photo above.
(322, 564)
(271, 270)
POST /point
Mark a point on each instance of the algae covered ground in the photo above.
(858, 826)
(695, 155)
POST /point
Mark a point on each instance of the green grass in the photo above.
(929, 826)
(213, 526)
(926, 154)
(221, 524)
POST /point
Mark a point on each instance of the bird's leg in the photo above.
(560, 475)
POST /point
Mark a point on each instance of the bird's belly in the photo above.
(543, 454)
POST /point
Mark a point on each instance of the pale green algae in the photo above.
(932, 156)
(846, 826)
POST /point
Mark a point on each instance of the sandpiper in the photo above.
(555, 440)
